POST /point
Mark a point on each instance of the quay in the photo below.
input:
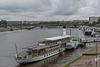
(84, 41)
(87, 59)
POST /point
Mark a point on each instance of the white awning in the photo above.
(57, 37)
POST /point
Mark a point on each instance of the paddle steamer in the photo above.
(47, 48)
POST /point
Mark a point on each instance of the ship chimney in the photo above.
(64, 31)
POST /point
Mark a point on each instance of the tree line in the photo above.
(3, 22)
(92, 24)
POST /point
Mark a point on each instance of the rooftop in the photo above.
(57, 37)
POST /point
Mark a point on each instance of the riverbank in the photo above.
(87, 59)
(9, 29)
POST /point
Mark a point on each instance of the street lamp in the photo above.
(96, 59)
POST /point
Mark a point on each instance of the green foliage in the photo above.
(90, 24)
(94, 23)
(3, 22)
(28, 28)
(85, 23)
(98, 20)
(11, 29)
(72, 61)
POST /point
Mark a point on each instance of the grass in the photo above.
(91, 51)
(67, 65)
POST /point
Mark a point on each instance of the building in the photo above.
(92, 19)
(80, 20)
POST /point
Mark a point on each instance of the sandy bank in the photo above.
(9, 29)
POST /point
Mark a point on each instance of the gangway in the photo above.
(83, 41)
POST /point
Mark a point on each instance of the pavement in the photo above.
(86, 61)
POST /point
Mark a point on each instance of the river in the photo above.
(25, 38)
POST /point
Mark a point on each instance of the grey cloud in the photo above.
(67, 7)
(92, 8)
(48, 8)
(25, 5)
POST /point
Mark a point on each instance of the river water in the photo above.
(24, 38)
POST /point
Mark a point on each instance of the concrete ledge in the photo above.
(90, 54)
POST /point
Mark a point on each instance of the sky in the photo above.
(48, 10)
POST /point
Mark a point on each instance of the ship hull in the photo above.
(72, 45)
(39, 58)
(49, 54)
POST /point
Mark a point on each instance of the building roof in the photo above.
(57, 37)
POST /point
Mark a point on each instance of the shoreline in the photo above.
(9, 29)
(71, 61)
(86, 59)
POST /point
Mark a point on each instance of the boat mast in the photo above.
(70, 32)
(16, 49)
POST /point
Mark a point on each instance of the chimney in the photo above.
(64, 30)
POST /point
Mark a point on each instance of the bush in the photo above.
(11, 29)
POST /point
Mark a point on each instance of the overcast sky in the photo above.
(45, 10)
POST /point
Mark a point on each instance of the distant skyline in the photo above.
(48, 10)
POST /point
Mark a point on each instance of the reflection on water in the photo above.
(24, 38)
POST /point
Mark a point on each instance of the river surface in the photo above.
(24, 38)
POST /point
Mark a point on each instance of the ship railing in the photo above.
(48, 52)
(23, 57)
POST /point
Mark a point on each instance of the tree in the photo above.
(89, 24)
(3, 22)
(98, 20)
(85, 23)
(94, 23)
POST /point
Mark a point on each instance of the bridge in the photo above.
(40, 25)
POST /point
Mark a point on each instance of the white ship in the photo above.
(47, 48)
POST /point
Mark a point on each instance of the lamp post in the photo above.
(96, 59)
